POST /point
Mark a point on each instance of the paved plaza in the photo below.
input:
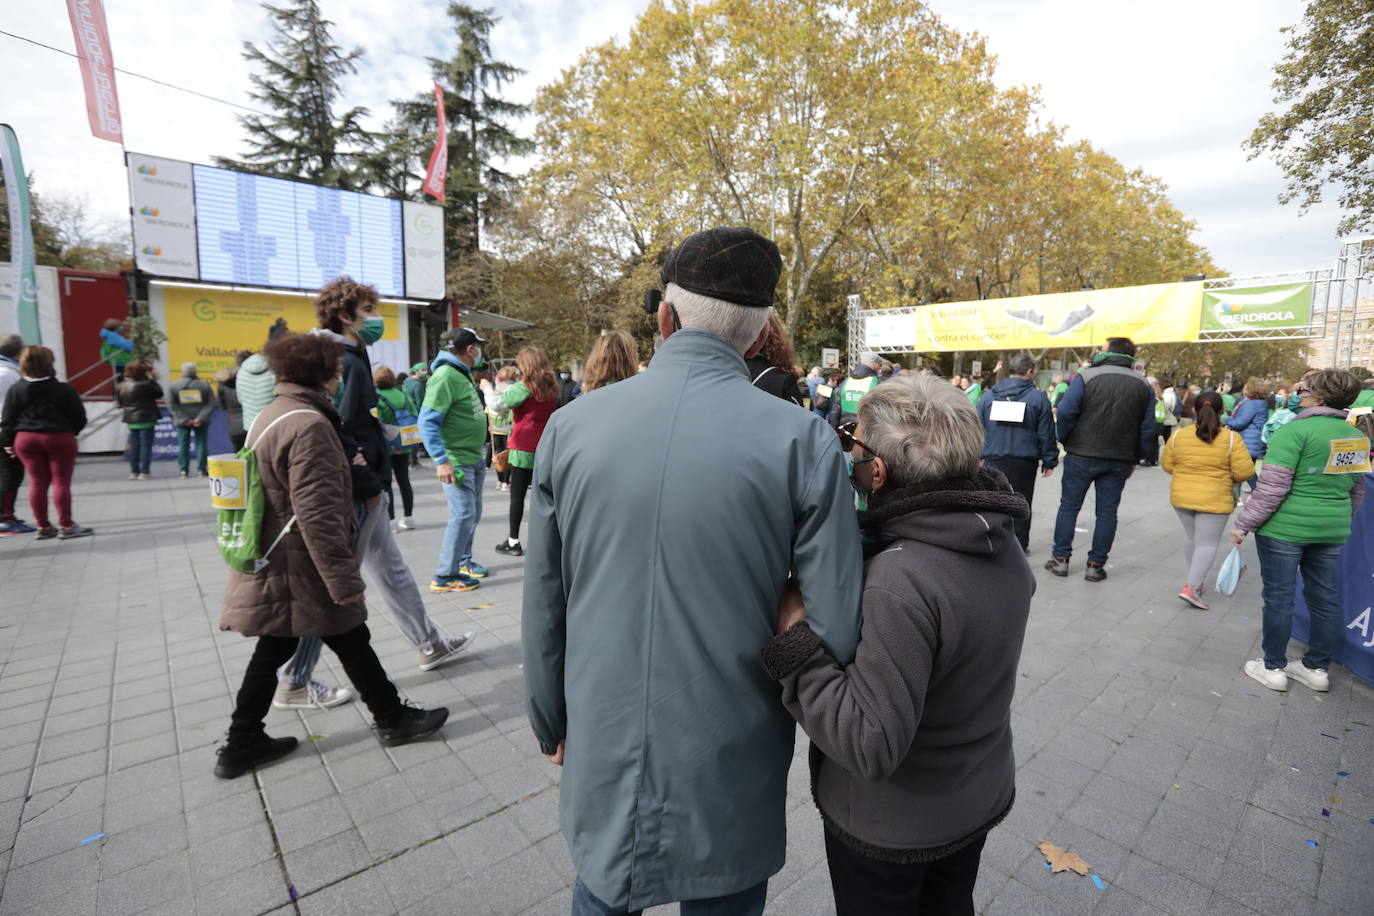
(1186, 787)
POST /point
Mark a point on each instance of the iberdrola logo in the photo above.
(148, 211)
(149, 249)
(147, 170)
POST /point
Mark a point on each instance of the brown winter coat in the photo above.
(304, 472)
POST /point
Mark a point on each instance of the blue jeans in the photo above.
(748, 902)
(1280, 562)
(202, 437)
(1109, 479)
(464, 512)
(141, 451)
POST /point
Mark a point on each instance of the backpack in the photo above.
(400, 425)
(237, 495)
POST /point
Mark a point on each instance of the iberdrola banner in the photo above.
(1159, 313)
(1256, 308)
(23, 311)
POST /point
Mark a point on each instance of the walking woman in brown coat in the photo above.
(311, 585)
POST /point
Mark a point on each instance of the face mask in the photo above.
(563, 376)
(861, 495)
(371, 331)
(479, 361)
(1294, 401)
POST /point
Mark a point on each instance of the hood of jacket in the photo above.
(861, 371)
(950, 514)
(255, 365)
(1012, 387)
(446, 358)
(1321, 410)
(348, 342)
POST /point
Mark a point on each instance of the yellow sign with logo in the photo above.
(228, 482)
(209, 327)
(1158, 313)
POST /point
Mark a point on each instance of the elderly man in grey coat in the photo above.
(667, 512)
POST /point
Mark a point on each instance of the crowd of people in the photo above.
(860, 567)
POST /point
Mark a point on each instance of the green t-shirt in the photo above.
(853, 391)
(1059, 390)
(1228, 403)
(1365, 398)
(1327, 455)
(463, 429)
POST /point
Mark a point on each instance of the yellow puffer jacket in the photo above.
(1206, 472)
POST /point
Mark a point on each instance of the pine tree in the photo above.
(478, 135)
(299, 75)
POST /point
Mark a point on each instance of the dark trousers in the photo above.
(519, 483)
(201, 437)
(498, 445)
(141, 450)
(869, 887)
(1108, 478)
(1021, 475)
(360, 663)
(11, 478)
(1320, 565)
(400, 470)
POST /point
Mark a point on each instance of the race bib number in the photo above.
(410, 435)
(189, 396)
(824, 391)
(1007, 411)
(228, 482)
(1348, 456)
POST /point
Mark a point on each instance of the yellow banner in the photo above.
(1159, 313)
(209, 326)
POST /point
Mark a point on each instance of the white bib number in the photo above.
(1007, 411)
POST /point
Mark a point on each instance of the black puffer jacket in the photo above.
(44, 406)
(139, 400)
(768, 377)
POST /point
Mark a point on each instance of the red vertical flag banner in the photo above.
(97, 67)
(437, 173)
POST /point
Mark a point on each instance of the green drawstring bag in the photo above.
(236, 494)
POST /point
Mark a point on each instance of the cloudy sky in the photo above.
(1172, 86)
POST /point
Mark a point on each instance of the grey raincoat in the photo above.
(665, 514)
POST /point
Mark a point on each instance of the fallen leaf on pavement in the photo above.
(1062, 860)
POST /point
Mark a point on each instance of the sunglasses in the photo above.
(847, 440)
(1302, 391)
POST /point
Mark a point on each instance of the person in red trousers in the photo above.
(42, 417)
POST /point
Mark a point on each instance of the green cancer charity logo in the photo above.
(204, 309)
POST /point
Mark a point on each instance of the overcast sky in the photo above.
(1173, 87)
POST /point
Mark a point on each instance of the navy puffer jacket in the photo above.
(1249, 420)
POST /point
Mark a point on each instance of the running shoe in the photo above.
(1026, 316)
(233, 762)
(411, 725)
(1072, 320)
(46, 533)
(15, 526)
(474, 570)
(459, 583)
(75, 531)
(1190, 595)
(509, 549)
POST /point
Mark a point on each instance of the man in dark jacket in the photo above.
(863, 378)
(1105, 420)
(1018, 434)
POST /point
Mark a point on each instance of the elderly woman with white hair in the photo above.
(911, 756)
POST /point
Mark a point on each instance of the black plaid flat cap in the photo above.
(730, 263)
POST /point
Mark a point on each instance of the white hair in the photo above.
(923, 427)
(739, 325)
(869, 358)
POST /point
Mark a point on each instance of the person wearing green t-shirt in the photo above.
(1310, 488)
(453, 425)
(532, 400)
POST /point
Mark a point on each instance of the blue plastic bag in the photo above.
(1231, 570)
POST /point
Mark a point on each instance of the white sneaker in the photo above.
(1273, 678)
(133, 477)
(313, 695)
(1314, 678)
(406, 524)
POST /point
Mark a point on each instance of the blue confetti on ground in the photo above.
(1047, 865)
(1314, 842)
(1098, 882)
(292, 889)
(92, 839)
(1342, 774)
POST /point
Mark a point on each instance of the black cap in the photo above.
(730, 263)
(461, 339)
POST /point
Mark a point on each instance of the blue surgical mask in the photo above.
(1294, 401)
(374, 326)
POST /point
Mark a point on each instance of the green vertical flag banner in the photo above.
(24, 283)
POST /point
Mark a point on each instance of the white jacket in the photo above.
(9, 374)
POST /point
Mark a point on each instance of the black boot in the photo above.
(235, 760)
(411, 725)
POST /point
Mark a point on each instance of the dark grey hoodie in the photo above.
(911, 755)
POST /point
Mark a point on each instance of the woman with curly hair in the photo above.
(613, 359)
(774, 369)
